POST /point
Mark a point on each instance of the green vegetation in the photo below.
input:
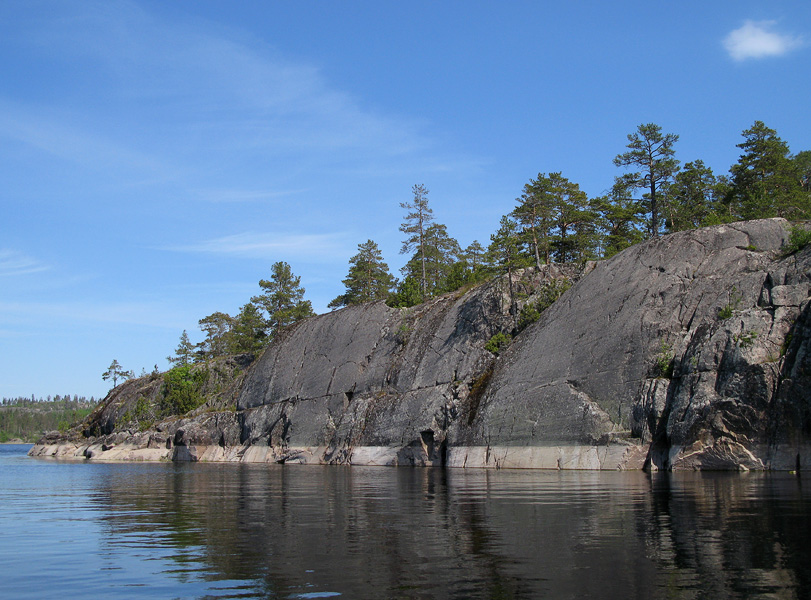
(498, 342)
(417, 222)
(184, 353)
(182, 390)
(142, 416)
(651, 150)
(368, 279)
(664, 361)
(552, 220)
(407, 294)
(283, 299)
(799, 238)
(549, 293)
(767, 181)
(745, 339)
(786, 343)
(27, 419)
(403, 333)
(115, 372)
(726, 311)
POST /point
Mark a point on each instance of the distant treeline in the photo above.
(27, 419)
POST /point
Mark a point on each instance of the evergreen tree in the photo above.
(693, 198)
(283, 300)
(247, 334)
(217, 327)
(415, 224)
(766, 182)
(184, 353)
(439, 253)
(572, 218)
(802, 162)
(651, 151)
(475, 256)
(469, 268)
(556, 218)
(368, 279)
(408, 293)
(535, 214)
(619, 217)
(115, 372)
(505, 255)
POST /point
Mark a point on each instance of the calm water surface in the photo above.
(88, 530)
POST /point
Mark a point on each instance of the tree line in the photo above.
(553, 220)
(27, 419)
(50, 403)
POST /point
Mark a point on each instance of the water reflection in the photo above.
(281, 532)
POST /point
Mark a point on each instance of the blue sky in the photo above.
(157, 157)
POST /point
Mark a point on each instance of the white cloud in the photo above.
(14, 263)
(758, 39)
(272, 246)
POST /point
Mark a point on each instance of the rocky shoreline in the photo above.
(690, 351)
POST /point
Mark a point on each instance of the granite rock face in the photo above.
(690, 351)
(695, 345)
(375, 384)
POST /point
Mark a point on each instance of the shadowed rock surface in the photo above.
(690, 351)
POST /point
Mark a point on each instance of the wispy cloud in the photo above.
(273, 246)
(58, 135)
(759, 39)
(13, 263)
(196, 77)
(195, 104)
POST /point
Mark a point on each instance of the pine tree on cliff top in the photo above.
(415, 225)
(369, 278)
(283, 300)
(651, 151)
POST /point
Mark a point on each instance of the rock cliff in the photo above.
(690, 351)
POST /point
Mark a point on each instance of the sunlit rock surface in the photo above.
(686, 352)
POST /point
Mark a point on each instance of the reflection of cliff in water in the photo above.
(732, 536)
(470, 534)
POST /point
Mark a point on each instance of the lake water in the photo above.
(89, 530)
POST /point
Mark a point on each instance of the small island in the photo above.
(667, 332)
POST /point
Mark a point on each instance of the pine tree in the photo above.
(475, 256)
(766, 182)
(217, 327)
(692, 198)
(439, 253)
(571, 217)
(115, 372)
(619, 217)
(368, 279)
(415, 224)
(184, 353)
(651, 151)
(408, 294)
(283, 300)
(247, 335)
(535, 214)
(505, 255)
(802, 162)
